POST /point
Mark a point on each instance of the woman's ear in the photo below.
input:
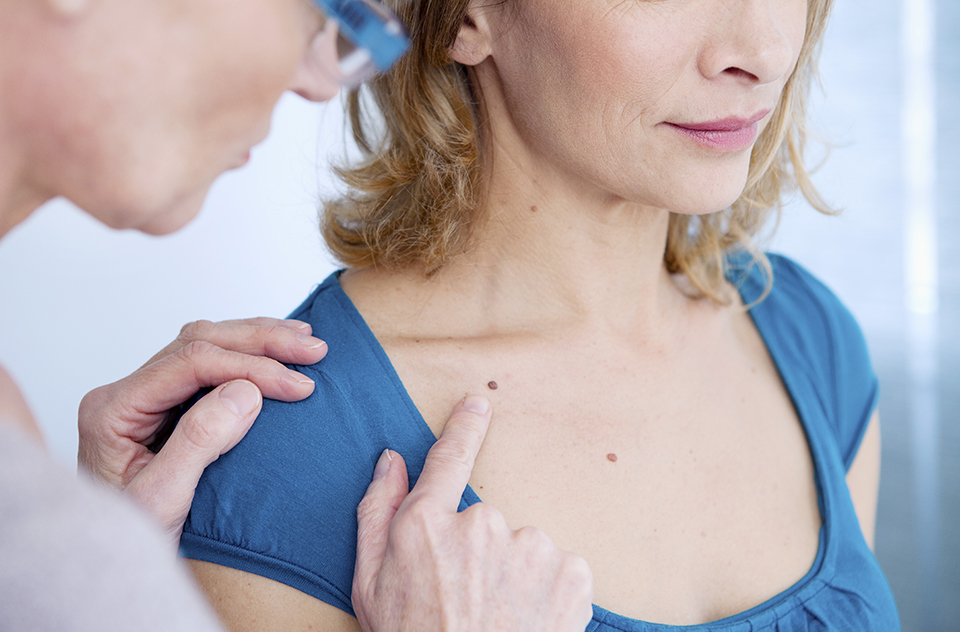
(473, 43)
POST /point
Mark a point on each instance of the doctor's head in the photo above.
(132, 108)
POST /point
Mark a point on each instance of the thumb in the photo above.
(381, 502)
(166, 485)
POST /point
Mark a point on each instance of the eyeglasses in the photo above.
(364, 36)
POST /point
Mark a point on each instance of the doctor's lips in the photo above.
(723, 135)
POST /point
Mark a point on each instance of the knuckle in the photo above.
(259, 321)
(473, 423)
(202, 431)
(195, 351)
(274, 337)
(91, 410)
(414, 521)
(272, 329)
(367, 507)
(575, 570)
(417, 513)
(538, 542)
(94, 399)
(486, 517)
(197, 431)
(449, 451)
(486, 527)
(195, 330)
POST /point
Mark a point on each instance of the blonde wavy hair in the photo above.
(414, 196)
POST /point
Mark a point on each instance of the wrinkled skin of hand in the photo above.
(421, 565)
(243, 361)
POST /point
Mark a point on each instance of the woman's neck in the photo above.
(547, 255)
(553, 242)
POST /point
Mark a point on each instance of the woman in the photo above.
(542, 214)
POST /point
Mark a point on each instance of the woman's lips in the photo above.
(723, 135)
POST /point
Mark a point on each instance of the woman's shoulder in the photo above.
(791, 291)
(282, 503)
(804, 306)
(809, 331)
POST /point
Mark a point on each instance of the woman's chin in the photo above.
(695, 191)
(705, 206)
(704, 199)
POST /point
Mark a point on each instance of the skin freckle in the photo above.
(492, 385)
(612, 457)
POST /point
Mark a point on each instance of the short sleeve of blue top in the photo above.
(282, 503)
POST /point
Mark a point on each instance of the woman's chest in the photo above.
(684, 480)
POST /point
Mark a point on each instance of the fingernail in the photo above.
(241, 397)
(310, 342)
(476, 404)
(299, 378)
(383, 465)
(299, 325)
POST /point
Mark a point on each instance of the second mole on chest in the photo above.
(612, 457)
(492, 385)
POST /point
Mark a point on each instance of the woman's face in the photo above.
(653, 101)
(156, 98)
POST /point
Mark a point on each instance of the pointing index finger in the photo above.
(450, 461)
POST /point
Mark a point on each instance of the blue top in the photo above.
(282, 503)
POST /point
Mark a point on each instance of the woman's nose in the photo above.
(757, 41)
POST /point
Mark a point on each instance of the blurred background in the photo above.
(82, 306)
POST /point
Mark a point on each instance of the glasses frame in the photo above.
(376, 32)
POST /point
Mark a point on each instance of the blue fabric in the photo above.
(282, 503)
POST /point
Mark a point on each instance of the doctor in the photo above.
(131, 109)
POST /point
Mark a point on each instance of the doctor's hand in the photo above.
(243, 359)
(423, 566)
